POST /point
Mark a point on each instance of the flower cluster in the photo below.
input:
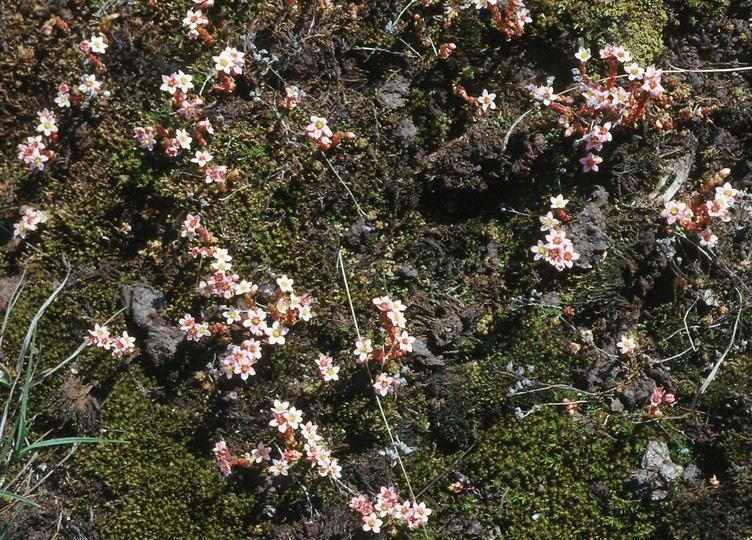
(179, 86)
(387, 505)
(397, 343)
(319, 132)
(30, 220)
(657, 398)
(598, 107)
(90, 87)
(288, 422)
(34, 152)
(696, 214)
(244, 318)
(197, 22)
(293, 96)
(510, 16)
(558, 250)
(124, 345)
(193, 329)
(327, 370)
(229, 64)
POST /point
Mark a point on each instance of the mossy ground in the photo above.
(449, 213)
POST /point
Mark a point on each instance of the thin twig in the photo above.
(717, 366)
(675, 69)
(357, 206)
(686, 328)
(511, 129)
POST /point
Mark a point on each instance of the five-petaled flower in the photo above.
(590, 162)
(97, 44)
(202, 157)
(627, 345)
(486, 100)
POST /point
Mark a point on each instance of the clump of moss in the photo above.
(164, 483)
(638, 26)
(550, 476)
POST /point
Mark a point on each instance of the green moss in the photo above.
(535, 340)
(539, 472)
(162, 484)
(636, 25)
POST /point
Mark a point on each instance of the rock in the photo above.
(407, 272)
(617, 406)
(394, 93)
(423, 356)
(693, 475)
(637, 394)
(145, 310)
(657, 472)
(407, 132)
(359, 238)
(586, 230)
(267, 292)
(446, 330)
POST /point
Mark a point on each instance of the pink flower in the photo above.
(221, 453)
(621, 54)
(100, 337)
(549, 222)
(194, 19)
(183, 138)
(372, 523)
(145, 137)
(229, 61)
(190, 226)
(607, 51)
(653, 87)
(294, 417)
(215, 174)
(728, 192)
(256, 321)
(202, 158)
(279, 467)
(676, 212)
(244, 366)
(261, 453)
(405, 342)
(385, 384)
(707, 238)
(124, 345)
(89, 84)
(545, 94)
(46, 122)
(169, 83)
(590, 162)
